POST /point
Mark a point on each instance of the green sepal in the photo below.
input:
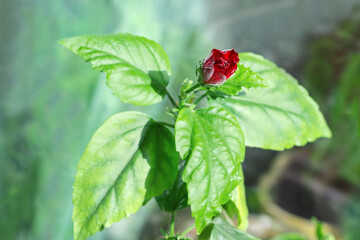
(243, 77)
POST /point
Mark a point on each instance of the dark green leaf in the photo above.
(277, 117)
(118, 170)
(159, 149)
(175, 198)
(223, 231)
(137, 68)
(243, 77)
(212, 142)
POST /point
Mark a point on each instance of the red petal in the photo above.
(216, 78)
(219, 65)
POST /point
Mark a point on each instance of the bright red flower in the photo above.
(219, 66)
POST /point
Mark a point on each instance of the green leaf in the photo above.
(212, 142)
(277, 117)
(243, 77)
(289, 236)
(159, 149)
(175, 198)
(223, 231)
(137, 68)
(237, 207)
(117, 171)
(319, 230)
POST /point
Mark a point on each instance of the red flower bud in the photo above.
(219, 66)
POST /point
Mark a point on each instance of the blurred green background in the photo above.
(51, 101)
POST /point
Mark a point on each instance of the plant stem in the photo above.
(171, 98)
(200, 98)
(167, 124)
(193, 88)
(172, 224)
(188, 230)
(227, 217)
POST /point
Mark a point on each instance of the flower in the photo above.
(219, 66)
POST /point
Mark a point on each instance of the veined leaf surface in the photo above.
(118, 170)
(277, 117)
(137, 68)
(212, 142)
(243, 77)
(237, 205)
(223, 231)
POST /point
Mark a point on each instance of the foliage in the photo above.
(289, 236)
(210, 177)
(131, 157)
(351, 215)
(121, 168)
(137, 69)
(319, 231)
(272, 117)
(224, 231)
(333, 78)
(236, 207)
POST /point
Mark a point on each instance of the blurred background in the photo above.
(51, 102)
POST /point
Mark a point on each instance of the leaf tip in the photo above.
(327, 133)
(64, 42)
(68, 42)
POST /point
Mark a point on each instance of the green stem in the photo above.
(167, 124)
(200, 98)
(171, 98)
(227, 217)
(172, 224)
(193, 88)
(188, 230)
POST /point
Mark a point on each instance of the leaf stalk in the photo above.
(172, 100)
(172, 224)
(193, 88)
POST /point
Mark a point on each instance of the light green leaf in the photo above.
(277, 117)
(243, 77)
(320, 232)
(237, 207)
(289, 236)
(223, 231)
(137, 68)
(118, 169)
(212, 142)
